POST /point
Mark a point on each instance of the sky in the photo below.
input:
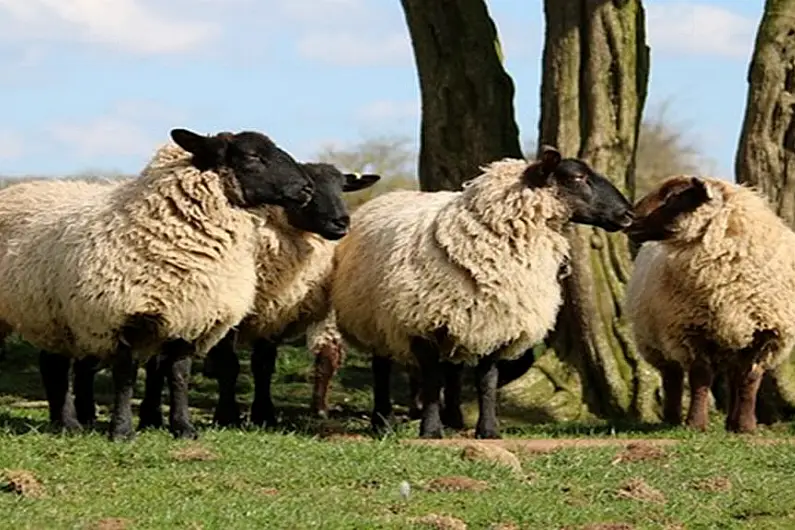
(95, 85)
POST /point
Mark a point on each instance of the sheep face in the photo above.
(665, 212)
(590, 197)
(264, 173)
(326, 214)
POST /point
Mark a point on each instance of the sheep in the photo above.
(160, 263)
(294, 265)
(436, 279)
(713, 290)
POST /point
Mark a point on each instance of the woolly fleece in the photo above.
(482, 263)
(84, 258)
(730, 270)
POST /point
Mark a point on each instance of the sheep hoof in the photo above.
(122, 435)
(432, 434)
(227, 421)
(262, 420)
(488, 434)
(185, 432)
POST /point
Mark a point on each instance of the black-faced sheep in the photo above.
(294, 267)
(713, 288)
(161, 263)
(465, 277)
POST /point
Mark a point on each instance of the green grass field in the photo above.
(333, 474)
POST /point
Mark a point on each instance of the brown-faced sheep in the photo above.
(713, 288)
(439, 278)
(294, 267)
(163, 262)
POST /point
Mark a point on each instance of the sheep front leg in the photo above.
(54, 371)
(745, 406)
(382, 399)
(486, 375)
(85, 370)
(427, 356)
(700, 376)
(150, 413)
(178, 361)
(222, 361)
(327, 362)
(451, 413)
(263, 365)
(673, 376)
(125, 372)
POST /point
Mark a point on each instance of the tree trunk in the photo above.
(595, 73)
(766, 155)
(467, 97)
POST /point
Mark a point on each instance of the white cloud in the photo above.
(12, 145)
(130, 129)
(703, 29)
(127, 25)
(388, 111)
(354, 49)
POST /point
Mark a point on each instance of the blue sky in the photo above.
(97, 84)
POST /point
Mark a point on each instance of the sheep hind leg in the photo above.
(486, 376)
(700, 376)
(451, 413)
(178, 360)
(673, 377)
(150, 413)
(125, 372)
(381, 416)
(263, 365)
(415, 388)
(85, 370)
(427, 355)
(225, 368)
(327, 362)
(54, 371)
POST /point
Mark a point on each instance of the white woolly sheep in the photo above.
(713, 289)
(163, 262)
(294, 266)
(464, 277)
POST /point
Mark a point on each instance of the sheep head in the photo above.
(665, 212)
(262, 172)
(326, 213)
(589, 196)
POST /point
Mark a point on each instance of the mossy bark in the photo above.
(594, 78)
(467, 96)
(766, 155)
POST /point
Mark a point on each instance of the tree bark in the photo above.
(594, 78)
(467, 97)
(766, 155)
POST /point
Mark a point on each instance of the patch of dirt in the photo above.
(637, 489)
(193, 453)
(268, 492)
(112, 523)
(344, 437)
(601, 526)
(480, 452)
(456, 483)
(503, 526)
(713, 484)
(440, 522)
(22, 483)
(639, 452)
(544, 445)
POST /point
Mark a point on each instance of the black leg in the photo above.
(225, 367)
(382, 400)
(486, 375)
(178, 358)
(54, 370)
(451, 413)
(151, 411)
(125, 372)
(84, 371)
(263, 364)
(427, 356)
(415, 388)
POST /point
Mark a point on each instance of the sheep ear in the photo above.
(549, 158)
(358, 181)
(206, 148)
(701, 188)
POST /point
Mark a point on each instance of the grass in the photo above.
(301, 478)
